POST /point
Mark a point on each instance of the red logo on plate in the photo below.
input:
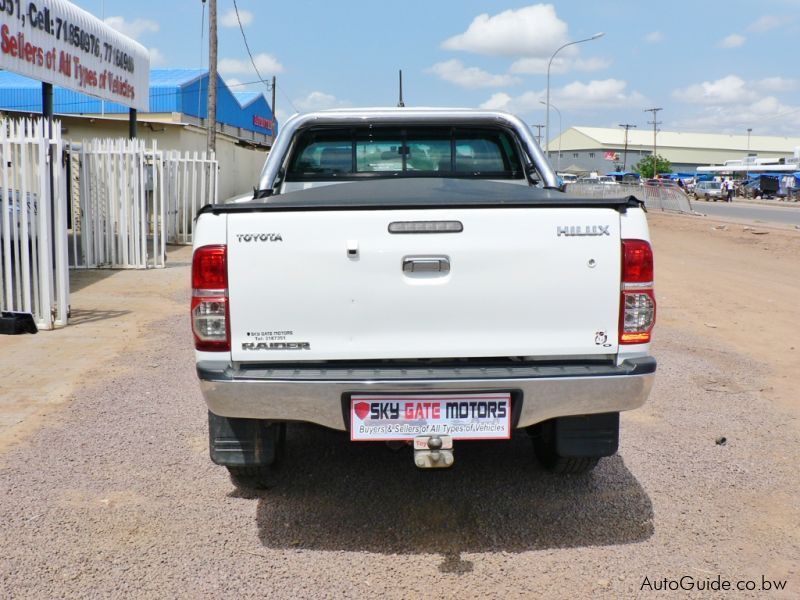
(362, 410)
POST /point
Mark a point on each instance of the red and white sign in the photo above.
(485, 416)
(611, 156)
(262, 122)
(56, 42)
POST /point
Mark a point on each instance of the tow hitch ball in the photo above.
(433, 451)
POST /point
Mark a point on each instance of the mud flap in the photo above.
(587, 435)
(244, 442)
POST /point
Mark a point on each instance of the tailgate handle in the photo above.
(426, 264)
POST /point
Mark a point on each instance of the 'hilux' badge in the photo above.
(578, 230)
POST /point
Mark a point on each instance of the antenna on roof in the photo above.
(400, 103)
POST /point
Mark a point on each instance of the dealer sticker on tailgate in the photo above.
(462, 416)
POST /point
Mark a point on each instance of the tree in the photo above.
(645, 166)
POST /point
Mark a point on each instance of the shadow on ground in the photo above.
(331, 494)
(83, 278)
(79, 316)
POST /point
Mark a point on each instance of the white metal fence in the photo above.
(656, 196)
(191, 184)
(101, 203)
(34, 275)
(121, 216)
(666, 196)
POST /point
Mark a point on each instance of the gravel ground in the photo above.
(119, 499)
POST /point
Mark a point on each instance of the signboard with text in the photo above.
(56, 42)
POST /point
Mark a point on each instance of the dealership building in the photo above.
(176, 119)
(602, 149)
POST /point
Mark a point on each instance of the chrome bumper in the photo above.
(317, 395)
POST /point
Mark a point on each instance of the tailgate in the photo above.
(336, 285)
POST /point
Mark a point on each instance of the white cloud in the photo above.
(497, 101)
(157, 58)
(538, 66)
(596, 93)
(266, 63)
(731, 89)
(318, 101)
(576, 95)
(135, 28)
(532, 30)
(776, 84)
(229, 18)
(734, 40)
(731, 104)
(767, 115)
(654, 37)
(455, 72)
(765, 23)
(236, 83)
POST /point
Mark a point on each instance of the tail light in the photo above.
(637, 301)
(210, 312)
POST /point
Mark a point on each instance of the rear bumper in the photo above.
(318, 395)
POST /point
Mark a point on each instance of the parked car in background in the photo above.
(708, 190)
(568, 177)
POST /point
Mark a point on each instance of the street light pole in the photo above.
(549, 64)
(560, 131)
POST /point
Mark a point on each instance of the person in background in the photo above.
(730, 188)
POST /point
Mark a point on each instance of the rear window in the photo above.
(408, 152)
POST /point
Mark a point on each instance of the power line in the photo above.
(538, 134)
(247, 46)
(286, 96)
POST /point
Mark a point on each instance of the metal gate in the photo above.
(34, 274)
(191, 183)
(655, 195)
(121, 216)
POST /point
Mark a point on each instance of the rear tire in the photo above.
(261, 477)
(252, 478)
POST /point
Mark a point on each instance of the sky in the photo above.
(713, 66)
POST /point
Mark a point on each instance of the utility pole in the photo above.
(625, 152)
(655, 123)
(211, 118)
(538, 134)
(274, 84)
(749, 131)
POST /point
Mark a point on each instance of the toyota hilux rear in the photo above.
(417, 276)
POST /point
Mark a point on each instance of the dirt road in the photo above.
(113, 495)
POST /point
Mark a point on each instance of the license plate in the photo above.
(375, 417)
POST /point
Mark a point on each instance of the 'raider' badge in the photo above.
(276, 346)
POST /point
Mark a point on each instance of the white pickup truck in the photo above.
(418, 277)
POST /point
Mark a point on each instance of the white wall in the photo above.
(239, 167)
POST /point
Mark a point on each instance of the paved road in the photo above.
(788, 215)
